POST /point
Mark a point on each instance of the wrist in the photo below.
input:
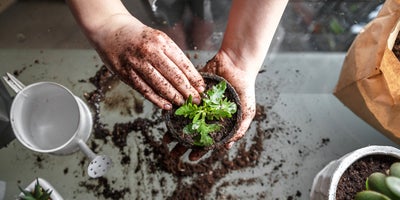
(248, 64)
(91, 15)
(108, 29)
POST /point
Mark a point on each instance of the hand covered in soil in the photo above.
(147, 60)
(244, 83)
(249, 32)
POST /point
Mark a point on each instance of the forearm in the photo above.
(250, 30)
(92, 14)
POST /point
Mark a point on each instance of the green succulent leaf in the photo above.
(38, 193)
(370, 195)
(38, 189)
(27, 194)
(377, 182)
(395, 169)
(393, 183)
(28, 198)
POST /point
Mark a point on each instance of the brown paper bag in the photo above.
(369, 83)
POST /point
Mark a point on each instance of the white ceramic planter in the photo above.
(45, 185)
(326, 181)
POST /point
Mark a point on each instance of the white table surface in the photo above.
(312, 128)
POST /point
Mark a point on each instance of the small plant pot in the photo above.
(45, 185)
(175, 124)
(326, 182)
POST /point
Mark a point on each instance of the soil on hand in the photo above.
(353, 179)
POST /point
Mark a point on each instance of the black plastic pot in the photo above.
(176, 123)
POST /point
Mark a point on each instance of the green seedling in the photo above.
(380, 186)
(214, 106)
(37, 194)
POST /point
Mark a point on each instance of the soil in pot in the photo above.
(353, 179)
(177, 123)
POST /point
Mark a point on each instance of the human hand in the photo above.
(244, 83)
(243, 80)
(148, 61)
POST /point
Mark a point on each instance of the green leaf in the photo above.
(377, 182)
(224, 110)
(395, 169)
(214, 106)
(393, 183)
(203, 140)
(28, 198)
(370, 195)
(38, 189)
(188, 109)
(192, 128)
(216, 93)
(38, 193)
(46, 195)
(26, 193)
(205, 129)
(197, 117)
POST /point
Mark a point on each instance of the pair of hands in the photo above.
(151, 63)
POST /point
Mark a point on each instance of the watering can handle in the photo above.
(13, 82)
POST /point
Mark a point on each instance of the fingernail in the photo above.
(167, 106)
(196, 100)
(201, 89)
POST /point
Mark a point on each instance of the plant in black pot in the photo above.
(211, 123)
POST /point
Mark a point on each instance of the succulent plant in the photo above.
(381, 186)
(39, 193)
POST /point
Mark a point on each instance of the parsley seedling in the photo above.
(214, 106)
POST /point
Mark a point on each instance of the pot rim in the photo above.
(238, 113)
(347, 160)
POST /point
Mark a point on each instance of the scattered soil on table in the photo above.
(205, 173)
(39, 161)
(193, 180)
(103, 188)
(353, 179)
(66, 170)
(17, 72)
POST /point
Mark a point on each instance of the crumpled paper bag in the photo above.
(369, 83)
